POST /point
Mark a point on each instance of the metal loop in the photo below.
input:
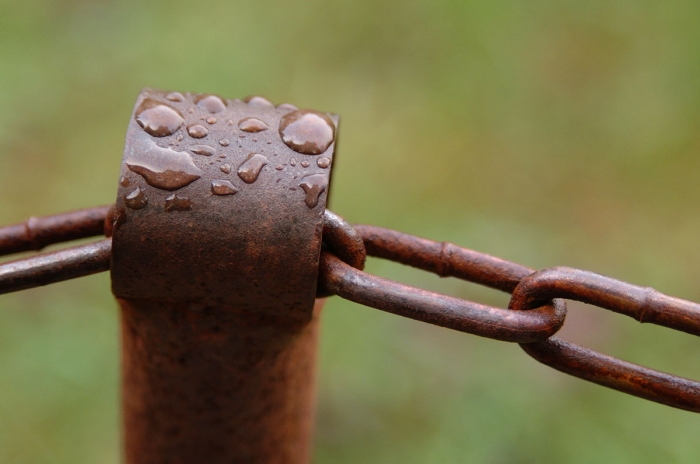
(644, 304)
(340, 237)
(344, 240)
(38, 232)
(445, 311)
(641, 303)
(57, 266)
(442, 258)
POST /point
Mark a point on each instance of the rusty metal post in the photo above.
(216, 242)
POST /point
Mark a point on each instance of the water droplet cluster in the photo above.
(185, 133)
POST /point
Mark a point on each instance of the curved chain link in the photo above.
(445, 311)
(640, 303)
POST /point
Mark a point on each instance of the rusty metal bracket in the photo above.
(216, 242)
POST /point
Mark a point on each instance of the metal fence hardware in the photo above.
(221, 253)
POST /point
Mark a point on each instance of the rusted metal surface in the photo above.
(57, 266)
(530, 290)
(442, 258)
(445, 311)
(216, 384)
(186, 341)
(217, 234)
(617, 374)
(344, 240)
(38, 232)
(643, 304)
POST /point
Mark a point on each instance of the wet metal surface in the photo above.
(217, 289)
(213, 250)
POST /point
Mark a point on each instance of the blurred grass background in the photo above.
(545, 132)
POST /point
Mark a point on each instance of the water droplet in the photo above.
(226, 168)
(204, 150)
(210, 103)
(307, 132)
(136, 199)
(323, 162)
(257, 100)
(224, 142)
(124, 181)
(241, 136)
(223, 155)
(293, 162)
(158, 119)
(119, 219)
(255, 139)
(229, 122)
(250, 169)
(305, 164)
(175, 97)
(211, 120)
(177, 203)
(286, 107)
(197, 131)
(313, 185)
(179, 137)
(223, 187)
(164, 168)
(190, 110)
(252, 125)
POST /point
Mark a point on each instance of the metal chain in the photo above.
(535, 313)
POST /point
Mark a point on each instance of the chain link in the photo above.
(466, 316)
(535, 313)
(642, 304)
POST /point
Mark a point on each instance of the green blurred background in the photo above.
(545, 132)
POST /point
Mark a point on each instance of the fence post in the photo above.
(216, 240)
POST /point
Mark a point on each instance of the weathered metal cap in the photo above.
(221, 202)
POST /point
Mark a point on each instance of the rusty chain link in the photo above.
(536, 310)
(466, 316)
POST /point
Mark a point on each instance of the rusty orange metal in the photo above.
(216, 241)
